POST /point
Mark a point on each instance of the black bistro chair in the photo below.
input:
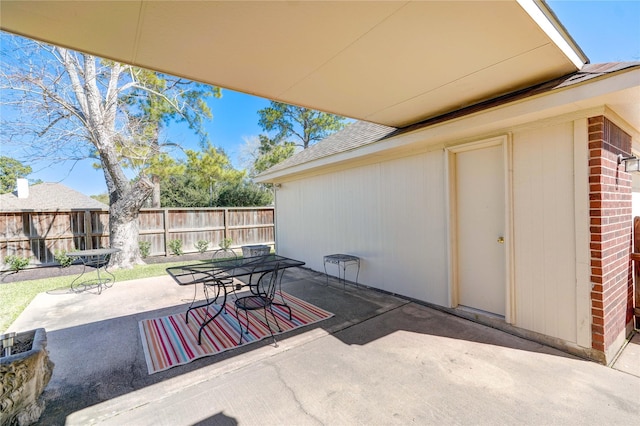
(266, 292)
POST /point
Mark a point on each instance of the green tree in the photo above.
(209, 180)
(304, 126)
(212, 169)
(294, 127)
(270, 153)
(11, 170)
(244, 194)
(160, 100)
(182, 191)
(204, 173)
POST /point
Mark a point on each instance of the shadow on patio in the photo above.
(380, 359)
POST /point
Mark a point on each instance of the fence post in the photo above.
(165, 220)
(226, 224)
(88, 231)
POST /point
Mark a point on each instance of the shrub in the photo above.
(226, 243)
(145, 248)
(16, 263)
(202, 245)
(176, 247)
(61, 257)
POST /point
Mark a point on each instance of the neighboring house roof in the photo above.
(49, 196)
(362, 133)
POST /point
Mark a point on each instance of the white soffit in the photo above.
(617, 94)
(393, 63)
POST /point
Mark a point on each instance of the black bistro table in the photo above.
(343, 260)
(213, 273)
(98, 259)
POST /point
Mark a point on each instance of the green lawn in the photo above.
(17, 295)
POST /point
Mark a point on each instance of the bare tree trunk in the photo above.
(124, 236)
(125, 199)
(123, 225)
(123, 221)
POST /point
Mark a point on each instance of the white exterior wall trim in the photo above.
(582, 235)
(544, 22)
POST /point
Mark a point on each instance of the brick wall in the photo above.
(611, 232)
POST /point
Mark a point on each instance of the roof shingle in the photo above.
(354, 135)
(49, 196)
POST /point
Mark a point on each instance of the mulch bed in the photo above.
(39, 272)
(56, 271)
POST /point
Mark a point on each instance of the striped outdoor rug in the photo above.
(170, 341)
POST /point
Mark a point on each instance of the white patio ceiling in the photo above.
(393, 63)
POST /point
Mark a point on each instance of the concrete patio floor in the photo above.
(380, 360)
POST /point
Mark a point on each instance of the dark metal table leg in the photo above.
(204, 324)
(202, 305)
(84, 267)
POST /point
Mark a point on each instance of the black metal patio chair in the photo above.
(264, 299)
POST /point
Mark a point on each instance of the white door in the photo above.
(480, 212)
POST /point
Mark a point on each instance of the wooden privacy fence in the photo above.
(38, 235)
(253, 225)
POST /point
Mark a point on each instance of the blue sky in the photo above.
(607, 31)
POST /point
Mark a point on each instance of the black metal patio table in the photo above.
(210, 273)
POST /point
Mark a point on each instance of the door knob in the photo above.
(501, 240)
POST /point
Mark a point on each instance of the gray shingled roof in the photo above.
(49, 196)
(354, 135)
(590, 71)
(362, 133)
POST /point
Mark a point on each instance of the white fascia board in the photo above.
(586, 97)
(547, 22)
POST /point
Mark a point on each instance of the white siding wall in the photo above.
(393, 215)
(544, 231)
(390, 214)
